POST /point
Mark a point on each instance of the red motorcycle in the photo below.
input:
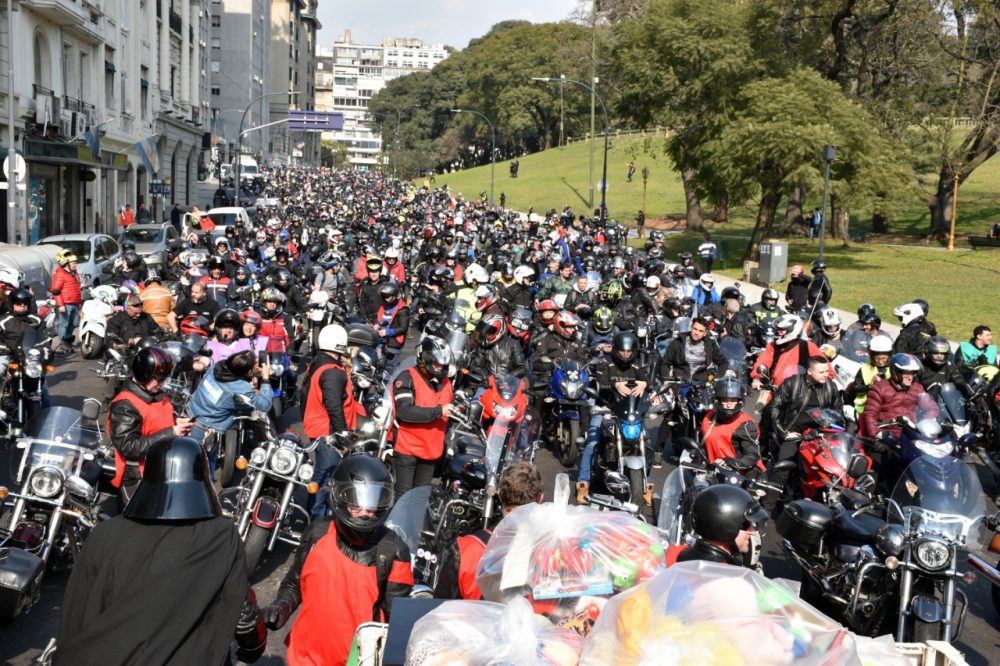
(831, 459)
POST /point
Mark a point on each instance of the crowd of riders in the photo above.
(528, 291)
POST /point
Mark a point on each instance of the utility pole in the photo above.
(593, 106)
(562, 111)
(829, 155)
(645, 180)
(954, 210)
(12, 180)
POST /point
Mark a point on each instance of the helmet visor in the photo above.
(362, 498)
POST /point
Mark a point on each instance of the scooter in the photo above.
(94, 320)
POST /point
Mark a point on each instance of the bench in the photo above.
(983, 241)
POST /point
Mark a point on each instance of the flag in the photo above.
(148, 154)
(92, 138)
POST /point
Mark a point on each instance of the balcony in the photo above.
(61, 12)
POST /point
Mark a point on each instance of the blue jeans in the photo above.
(593, 437)
(327, 459)
(198, 435)
(67, 323)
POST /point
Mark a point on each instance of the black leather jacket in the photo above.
(503, 358)
(122, 328)
(126, 426)
(702, 550)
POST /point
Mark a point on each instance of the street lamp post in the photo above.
(239, 139)
(829, 154)
(493, 151)
(607, 129)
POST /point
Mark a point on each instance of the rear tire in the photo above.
(227, 462)
(568, 434)
(91, 345)
(255, 543)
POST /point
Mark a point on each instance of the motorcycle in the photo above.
(282, 377)
(94, 317)
(262, 504)
(46, 520)
(567, 410)
(23, 371)
(831, 459)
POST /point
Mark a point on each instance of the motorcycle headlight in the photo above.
(277, 369)
(46, 482)
(362, 381)
(932, 553)
(257, 456)
(368, 428)
(504, 412)
(33, 368)
(283, 461)
(632, 430)
(305, 472)
(572, 390)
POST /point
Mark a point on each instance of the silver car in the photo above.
(151, 241)
(93, 252)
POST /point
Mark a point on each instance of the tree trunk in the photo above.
(880, 219)
(721, 213)
(841, 222)
(694, 219)
(793, 213)
(769, 201)
(940, 205)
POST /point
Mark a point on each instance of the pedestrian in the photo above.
(640, 223)
(166, 581)
(175, 217)
(708, 252)
(65, 288)
(503, 200)
(126, 217)
(143, 216)
(631, 171)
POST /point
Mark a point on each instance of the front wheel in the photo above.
(255, 544)
(91, 345)
(227, 458)
(568, 435)
(637, 484)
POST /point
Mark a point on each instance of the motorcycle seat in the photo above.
(860, 529)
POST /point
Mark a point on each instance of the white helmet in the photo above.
(829, 320)
(787, 328)
(880, 344)
(333, 338)
(476, 273)
(707, 280)
(392, 253)
(12, 277)
(522, 273)
(908, 312)
(652, 283)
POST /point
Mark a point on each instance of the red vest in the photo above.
(315, 419)
(386, 324)
(424, 440)
(470, 550)
(672, 553)
(155, 417)
(718, 437)
(337, 595)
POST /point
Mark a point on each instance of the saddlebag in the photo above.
(804, 522)
(20, 579)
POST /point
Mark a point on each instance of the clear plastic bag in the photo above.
(481, 633)
(549, 551)
(705, 614)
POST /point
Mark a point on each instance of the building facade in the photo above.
(292, 68)
(130, 70)
(348, 75)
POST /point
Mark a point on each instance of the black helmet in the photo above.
(151, 363)
(434, 352)
(672, 303)
(315, 251)
(731, 292)
(388, 292)
(936, 346)
(360, 482)
(818, 266)
(152, 275)
(769, 300)
(21, 296)
(216, 262)
(624, 347)
(281, 252)
(865, 310)
(721, 511)
(442, 276)
(283, 278)
(176, 484)
(728, 388)
(227, 318)
(146, 342)
(132, 259)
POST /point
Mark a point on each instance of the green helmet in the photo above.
(612, 292)
(603, 320)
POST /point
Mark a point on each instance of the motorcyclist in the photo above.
(197, 303)
(582, 298)
(392, 321)
(295, 299)
(215, 282)
(561, 342)
(938, 369)
(369, 299)
(797, 396)
(828, 331)
(277, 323)
(488, 301)
(916, 329)
(250, 325)
(140, 416)
(394, 268)
(522, 292)
(127, 327)
(893, 397)
(241, 287)
(560, 284)
(226, 341)
(797, 292)
(157, 301)
(495, 353)
(731, 436)
(328, 405)
(865, 312)
(787, 352)
(422, 398)
(704, 292)
(19, 319)
(214, 407)
(690, 356)
(819, 289)
(978, 350)
(736, 321)
(351, 563)
(877, 366)
(723, 517)
(167, 579)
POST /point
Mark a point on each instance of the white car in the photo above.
(93, 252)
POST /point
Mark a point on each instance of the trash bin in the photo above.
(773, 262)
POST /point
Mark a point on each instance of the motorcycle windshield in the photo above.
(941, 497)
(407, 516)
(855, 346)
(735, 352)
(58, 437)
(953, 403)
(32, 338)
(927, 417)
(495, 440)
(841, 447)
(195, 342)
(670, 504)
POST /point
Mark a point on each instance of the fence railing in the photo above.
(616, 134)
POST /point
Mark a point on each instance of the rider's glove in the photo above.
(276, 616)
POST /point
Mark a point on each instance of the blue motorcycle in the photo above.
(567, 409)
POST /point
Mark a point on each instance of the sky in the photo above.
(449, 22)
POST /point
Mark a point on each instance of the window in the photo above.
(216, 43)
(216, 90)
(215, 66)
(216, 21)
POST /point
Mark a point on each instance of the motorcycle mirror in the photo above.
(763, 371)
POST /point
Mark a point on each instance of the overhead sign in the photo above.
(315, 121)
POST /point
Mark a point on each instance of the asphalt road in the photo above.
(23, 639)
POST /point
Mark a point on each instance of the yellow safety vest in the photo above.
(868, 374)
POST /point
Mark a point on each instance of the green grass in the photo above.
(961, 287)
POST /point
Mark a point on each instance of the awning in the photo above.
(53, 152)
